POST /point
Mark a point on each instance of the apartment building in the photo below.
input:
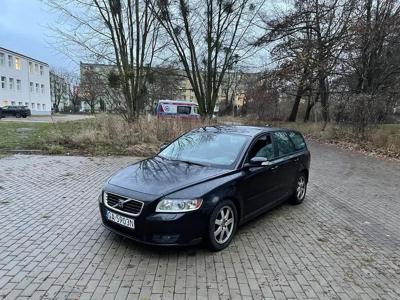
(24, 81)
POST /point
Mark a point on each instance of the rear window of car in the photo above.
(297, 140)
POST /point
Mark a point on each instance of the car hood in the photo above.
(158, 176)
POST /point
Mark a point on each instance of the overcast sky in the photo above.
(23, 28)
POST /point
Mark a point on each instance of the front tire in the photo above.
(300, 189)
(222, 225)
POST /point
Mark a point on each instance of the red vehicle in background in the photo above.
(177, 108)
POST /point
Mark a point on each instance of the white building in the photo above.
(24, 81)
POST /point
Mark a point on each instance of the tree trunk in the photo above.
(324, 96)
(295, 108)
(300, 91)
(310, 105)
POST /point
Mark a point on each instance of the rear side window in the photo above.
(283, 143)
(297, 140)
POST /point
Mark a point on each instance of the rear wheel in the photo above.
(18, 115)
(300, 189)
(222, 225)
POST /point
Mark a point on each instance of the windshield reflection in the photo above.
(206, 147)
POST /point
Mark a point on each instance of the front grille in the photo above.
(129, 206)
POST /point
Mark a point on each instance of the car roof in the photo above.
(242, 129)
(177, 102)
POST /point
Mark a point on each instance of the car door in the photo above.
(286, 163)
(259, 186)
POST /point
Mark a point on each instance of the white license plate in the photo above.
(120, 219)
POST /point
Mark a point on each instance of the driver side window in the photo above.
(263, 147)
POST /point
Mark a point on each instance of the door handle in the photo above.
(274, 168)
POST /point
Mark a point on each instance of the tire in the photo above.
(219, 221)
(17, 115)
(300, 189)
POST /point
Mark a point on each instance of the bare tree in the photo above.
(230, 89)
(208, 38)
(262, 96)
(59, 87)
(92, 87)
(120, 32)
(375, 37)
(163, 83)
(315, 34)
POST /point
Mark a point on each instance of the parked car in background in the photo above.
(16, 111)
(205, 184)
(175, 108)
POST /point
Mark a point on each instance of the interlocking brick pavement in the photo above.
(343, 242)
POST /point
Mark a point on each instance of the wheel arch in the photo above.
(305, 171)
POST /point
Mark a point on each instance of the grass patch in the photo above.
(102, 135)
(111, 135)
(22, 135)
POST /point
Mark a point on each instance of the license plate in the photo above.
(127, 222)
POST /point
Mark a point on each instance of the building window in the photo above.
(41, 70)
(17, 63)
(26, 104)
(11, 83)
(33, 105)
(3, 82)
(10, 61)
(43, 106)
(30, 67)
(31, 87)
(36, 68)
(42, 88)
(37, 87)
(20, 103)
(1, 59)
(12, 103)
(18, 84)
(38, 106)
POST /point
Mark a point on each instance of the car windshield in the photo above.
(207, 148)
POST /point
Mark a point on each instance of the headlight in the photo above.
(178, 205)
(103, 197)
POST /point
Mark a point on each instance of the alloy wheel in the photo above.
(224, 224)
(301, 188)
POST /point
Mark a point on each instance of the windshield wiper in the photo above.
(184, 161)
(191, 163)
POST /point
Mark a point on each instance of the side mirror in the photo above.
(258, 162)
(163, 146)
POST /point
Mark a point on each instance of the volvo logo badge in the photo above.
(121, 203)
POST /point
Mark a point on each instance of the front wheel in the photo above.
(222, 225)
(300, 190)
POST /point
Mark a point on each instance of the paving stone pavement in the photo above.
(343, 242)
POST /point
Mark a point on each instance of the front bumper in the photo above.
(166, 229)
